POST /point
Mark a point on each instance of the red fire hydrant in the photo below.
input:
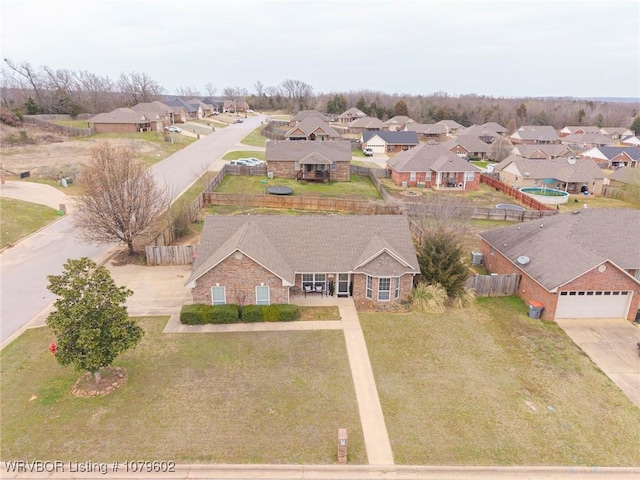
(53, 348)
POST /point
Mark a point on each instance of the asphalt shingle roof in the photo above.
(292, 151)
(560, 168)
(565, 246)
(378, 245)
(392, 137)
(430, 157)
(120, 115)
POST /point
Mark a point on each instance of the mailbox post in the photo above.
(342, 446)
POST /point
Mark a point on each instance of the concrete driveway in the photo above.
(611, 344)
(34, 193)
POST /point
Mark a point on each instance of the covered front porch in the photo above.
(322, 285)
(451, 181)
(315, 168)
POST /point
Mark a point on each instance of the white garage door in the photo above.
(376, 148)
(593, 304)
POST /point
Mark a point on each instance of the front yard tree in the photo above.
(635, 126)
(90, 319)
(120, 199)
(440, 259)
(401, 109)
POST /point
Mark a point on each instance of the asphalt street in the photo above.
(24, 268)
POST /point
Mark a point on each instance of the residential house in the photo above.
(487, 135)
(307, 160)
(579, 130)
(177, 113)
(542, 151)
(452, 127)
(468, 147)
(350, 115)
(234, 106)
(434, 166)
(535, 135)
(565, 173)
(495, 127)
(584, 141)
(398, 123)
(214, 105)
(581, 264)
(156, 112)
(613, 157)
(312, 128)
(429, 131)
(625, 182)
(389, 141)
(616, 133)
(304, 114)
(121, 120)
(630, 141)
(207, 109)
(267, 259)
(193, 111)
(367, 124)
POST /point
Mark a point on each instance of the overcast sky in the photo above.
(509, 48)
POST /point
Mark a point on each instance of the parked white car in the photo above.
(253, 160)
(368, 152)
(173, 128)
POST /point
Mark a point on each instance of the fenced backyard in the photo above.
(523, 198)
(46, 122)
(494, 285)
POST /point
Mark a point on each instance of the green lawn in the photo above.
(359, 188)
(255, 138)
(270, 397)
(457, 389)
(18, 219)
(578, 201)
(243, 154)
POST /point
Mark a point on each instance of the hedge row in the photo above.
(200, 314)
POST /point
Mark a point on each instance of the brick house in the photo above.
(122, 120)
(428, 131)
(433, 166)
(350, 115)
(309, 160)
(312, 128)
(581, 264)
(565, 173)
(613, 157)
(468, 146)
(366, 124)
(389, 142)
(535, 135)
(263, 259)
(542, 151)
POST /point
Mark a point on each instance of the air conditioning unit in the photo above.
(404, 184)
(421, 184)
(476, 258)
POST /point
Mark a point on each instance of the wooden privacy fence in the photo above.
(494, 285)
(299, 202)
(523, 198)
(174, 255)
(46, 122)
(426, 210)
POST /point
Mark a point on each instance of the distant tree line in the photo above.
(28, 90)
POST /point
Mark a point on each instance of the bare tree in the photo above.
(95, 91)
(188, 92)
(120, 199)
(210, 89)
(500, 149)
(139, 88)
(29, 79)
(444, 213)
(299, 93)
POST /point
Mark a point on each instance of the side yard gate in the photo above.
(494, 285)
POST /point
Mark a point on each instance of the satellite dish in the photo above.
(522, 260)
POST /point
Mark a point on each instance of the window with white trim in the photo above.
(427, 176)
(469, 176)
(384, 289)
(218, 296)
(314, 281)
(262, 295)
(333, 166)
(369, 286)
(397, 292)
(412, 176)
(296, 165)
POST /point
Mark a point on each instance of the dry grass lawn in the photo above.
(460, 389)
(210, 398)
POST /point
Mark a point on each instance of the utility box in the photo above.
(477, 258)
(535, 309)
(270, 175)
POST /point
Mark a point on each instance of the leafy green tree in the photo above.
(362, 105)
(31, 107)
(521, 112)
(440, 259)
(401, 108)
(90, 319)
(337, 105)
(635, 126)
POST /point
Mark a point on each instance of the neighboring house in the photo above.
(193, 111)
(583, 141)
(177, 113)
(542, 151)
(304, 114)
(429, 131)
(366, 124)
(613, 157)
(434, 166)
(487, 135)
(496, 127)
(121, 120)
(389, 141)
(467, 146)
(156, 112)
(630, 141)
(266, 259)
(214, 104)
(207, 109)
(565, 173)
(452, 127)
(581, 264)
(350, 115)
(535, 135)
(234, 106)
(312, 128)
(580, 130)
(314, 161)
(398, 123)
(625, 177)
(616, 133)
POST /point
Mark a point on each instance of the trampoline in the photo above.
(280, 190)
